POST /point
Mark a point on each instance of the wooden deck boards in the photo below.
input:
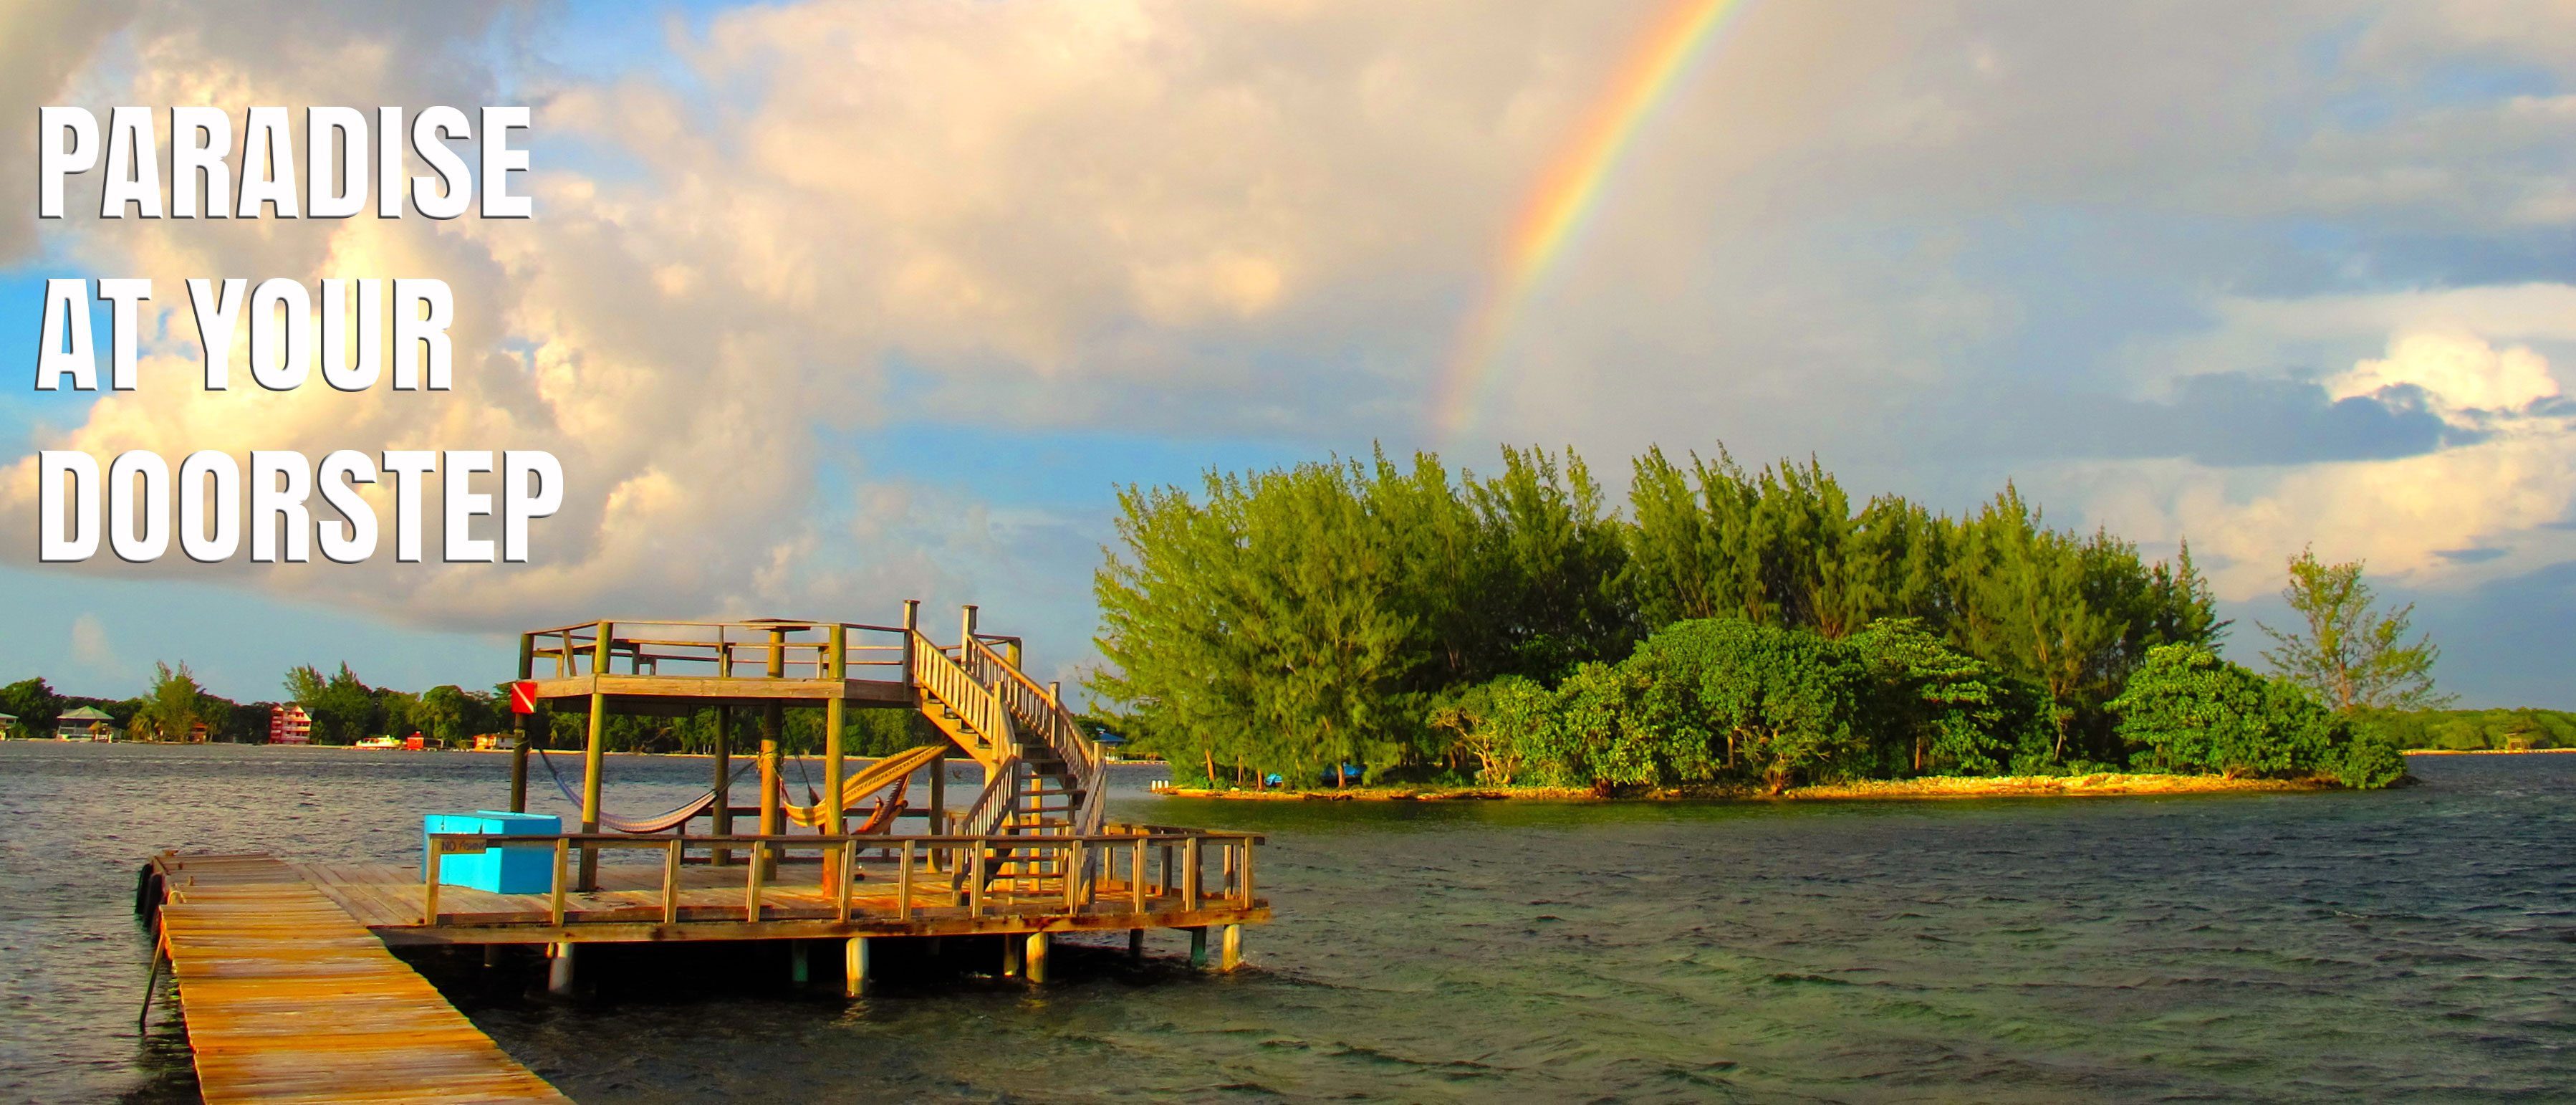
(289, 999)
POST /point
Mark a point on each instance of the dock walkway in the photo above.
(289, 998)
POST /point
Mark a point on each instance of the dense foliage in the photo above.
(2191, 711)
(174, 697)
(1731, 629)
(2473, 730)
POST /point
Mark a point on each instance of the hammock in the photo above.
(877, 776)
(885, 773)
(666, 821)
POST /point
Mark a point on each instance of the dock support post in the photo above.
(593, 757)
(1011, 948)
(939, 797)
(519, 750)
(1198, 947)
(1038, 942)
(835, 709)
(856, 967)
(799, 966)
(1230, 955)
(519, 768)
(1136, 944)
(772, 719)
(724, 774)
(911, 624)
(559, 968)
(770, 817)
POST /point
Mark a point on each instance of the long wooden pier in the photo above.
(289, 999)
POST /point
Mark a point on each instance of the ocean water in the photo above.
(2414, 944)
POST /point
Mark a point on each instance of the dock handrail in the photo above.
(1026, 701)
(1180, 873)
(994, 806)
(944, 678)
(643, 646)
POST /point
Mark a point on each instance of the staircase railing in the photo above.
(1037, 710)
(993, 808)
(933, 670)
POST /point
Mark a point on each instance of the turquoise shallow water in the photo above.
(2409, 944)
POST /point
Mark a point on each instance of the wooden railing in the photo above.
(934, 671)
(723, 650)
(999, 801)
(1164, 870)
(1039, 710)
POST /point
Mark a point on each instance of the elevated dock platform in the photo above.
(289, 998)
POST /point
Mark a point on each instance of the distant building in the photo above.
(289, 725)
(8, 724)
(87, 723)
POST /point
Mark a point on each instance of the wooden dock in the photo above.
(291, 995)
(289, 999)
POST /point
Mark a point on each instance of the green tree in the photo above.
(2349, 653)
(1292, 620)
(1783, 703)
(343, 708)
(443, 713)
(1259, 627)
(1939, 710)
(34, 703)
(173, 706)
(2196, 712)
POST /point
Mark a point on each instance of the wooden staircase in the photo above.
(1047, 777)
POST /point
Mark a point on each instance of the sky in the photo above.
(826, 305)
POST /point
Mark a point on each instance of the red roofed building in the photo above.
(289, 725)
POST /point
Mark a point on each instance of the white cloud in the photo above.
(2452, 518)
(1848, 225)
(2461, 373)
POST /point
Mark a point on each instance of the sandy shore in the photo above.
(2029, 786)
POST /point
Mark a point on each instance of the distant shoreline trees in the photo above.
(1733, 628)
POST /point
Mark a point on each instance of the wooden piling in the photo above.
(723, 781)
(519, 749)
(835, 656)
(1230, 956)
(772, 720)
(594, 760)
(559, 979)
(1198, 947)
(1038, 943)
(855, 966)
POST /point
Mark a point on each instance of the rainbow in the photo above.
(1568, 192)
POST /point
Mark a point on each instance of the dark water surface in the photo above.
(2409, 944)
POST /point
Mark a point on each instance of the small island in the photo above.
(1406, 632)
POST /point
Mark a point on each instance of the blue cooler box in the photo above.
(510, 869)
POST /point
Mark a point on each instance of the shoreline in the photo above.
(1931, 788)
